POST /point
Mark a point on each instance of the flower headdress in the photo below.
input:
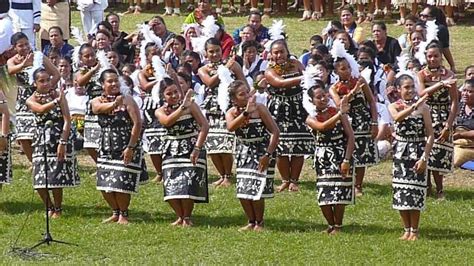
(208, 30)
(339, 51)
(310, 75)
(276, 33)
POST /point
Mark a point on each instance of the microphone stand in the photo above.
(48, 239)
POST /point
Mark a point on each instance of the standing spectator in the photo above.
(56, 40)
(92, 12)
(26, 16)
(254, 21)
(54, 13)
(119, 42)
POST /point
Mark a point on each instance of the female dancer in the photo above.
(184, 159)
(87, 77)
(440, 85)
(5, 155)
(363, 113)
(119, 164)
(49, 105)
(257, 135)
(283, 77)
(334, 146)
(154, 131)
(220, 142)
(412, 145)
(20, 65)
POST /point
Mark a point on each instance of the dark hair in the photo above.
(352, 47)
(85, 46)
(368, 43)
(54, 51)
(160, 19)
(367, 50)
(148, 46)
(255, 13)
(339, 60)
(128, 80)
(56, 28)
(192, 54)
(106, 33)
(399, 80)
(380, 24)
(37, 72)
(467, 68)
(251, 28)
(434, 44)
(319, 85)
(132, 67)
(323, 49)
(247, 44)
(233, 86)
(107, 25)
(315, 57)
(337, 24)
(323, 63)
(438, 15)
(112, 14)
(66, 58)
(180, 39)
(186, 78)
(414, 61)
(348, 8)
(316, 38)
(105, 72)
(187, 67)
(282, 42)
(16, 37)
(165, 83)
(469, 82)
(212, 41)
(412, 18)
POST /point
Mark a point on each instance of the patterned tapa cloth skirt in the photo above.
(251, 183)
(60, 174)
(6, 164)
(219, 139)
(25, 119)
(285, 106)
(365, 150)
(182, 179)
(442, 154)
(92, 130)
(409, 188)
(331, 187)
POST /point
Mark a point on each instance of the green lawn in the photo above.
(293, 220)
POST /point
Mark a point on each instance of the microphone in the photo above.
(48, 124)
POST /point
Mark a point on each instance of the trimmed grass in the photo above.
(293, 220)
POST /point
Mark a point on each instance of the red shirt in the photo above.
(227, 43)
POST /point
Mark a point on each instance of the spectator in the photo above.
(261, 32)
(92, 12)
(54, 13)
(56, 40)
(387, 47)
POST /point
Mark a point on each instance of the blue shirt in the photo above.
(65, 51)
(262, 34)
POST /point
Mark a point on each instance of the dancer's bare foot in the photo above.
(413, 235)
(226, 182)
(258, 226)
(50, 211)
(123, 220)
(358, 190)
(249, 227)
(294, 185)
(406, 234)
(285, 184)
(56, 213)
(328, 230)
(337, 230)
(112, 219)
(218, 182)
(187, 222)
(178, 221)
(440, 195)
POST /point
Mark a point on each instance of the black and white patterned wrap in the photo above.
(182, 179)
(286, 107)
(330, 152)
(409, 188)
(92, 130)
(252, 144)
(113, 175)
(25, 119)
(6, 173)
(60, 174)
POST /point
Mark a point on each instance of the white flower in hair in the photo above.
(37, 63)
(225, 79)
(208, 30)
(276, 33)
(431, 34)
(124, 88)
(148, 37)
(403, 60)
(339, 51)
(160, 74)
(103, 61)
(310, 75)
(77, 34)
(366, 74)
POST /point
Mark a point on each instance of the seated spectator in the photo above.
(254, 21)
(203, 10)
(387, 47)
(464, 130)
(120, 43)
(227, 43)
(314, 41)
(246, 34)
(252, 65)
(56, 41)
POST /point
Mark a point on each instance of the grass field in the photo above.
(293, 220)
